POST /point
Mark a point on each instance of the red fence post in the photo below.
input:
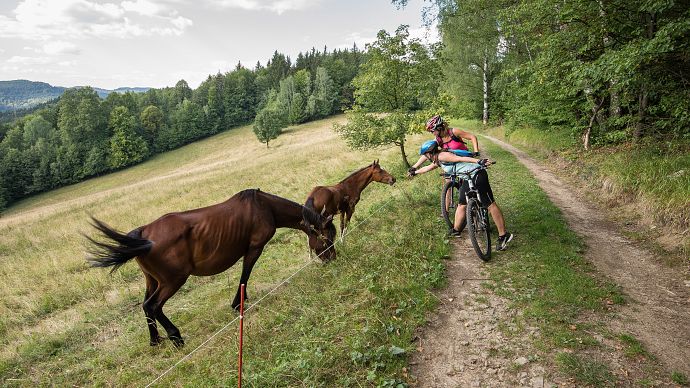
(239, 374)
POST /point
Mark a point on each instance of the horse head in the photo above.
(378, 174)
(322, 238)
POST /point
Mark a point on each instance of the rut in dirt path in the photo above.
(658, 312)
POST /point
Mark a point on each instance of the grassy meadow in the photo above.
(346, 323)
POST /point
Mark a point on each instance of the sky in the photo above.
(155, 43)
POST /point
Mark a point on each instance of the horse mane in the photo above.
(356, 172)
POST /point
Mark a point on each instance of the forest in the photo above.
(82, 135)
(609, 71)
(605, 72)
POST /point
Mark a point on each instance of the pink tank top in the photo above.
(455, 143)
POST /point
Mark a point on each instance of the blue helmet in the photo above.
(428, 146)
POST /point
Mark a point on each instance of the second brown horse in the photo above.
(344, 196)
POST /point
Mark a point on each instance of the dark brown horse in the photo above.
(343, 197)
(205, 242)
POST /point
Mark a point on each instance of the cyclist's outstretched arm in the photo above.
(421, 161)
(424, 169)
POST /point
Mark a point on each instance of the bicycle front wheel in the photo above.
(480, 231)
(449, 202)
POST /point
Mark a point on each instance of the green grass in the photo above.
(653, 177)
(543, 272)
(349, 322)
(586, 372)
(633, 347)
(680, 379)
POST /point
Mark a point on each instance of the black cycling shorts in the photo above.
(481, 183)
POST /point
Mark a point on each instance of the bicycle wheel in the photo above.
(480, 231)
(448, 206)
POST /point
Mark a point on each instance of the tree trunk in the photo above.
(588, 132)
(404, 157)
(485, 113)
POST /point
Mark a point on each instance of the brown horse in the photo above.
(205, 242)
(343, 197)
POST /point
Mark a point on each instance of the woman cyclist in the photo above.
(448, 138)
(449, 161)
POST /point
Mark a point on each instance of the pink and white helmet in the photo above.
(434, 123)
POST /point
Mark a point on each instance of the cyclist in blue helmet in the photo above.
(450, 161)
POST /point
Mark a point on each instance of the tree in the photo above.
(269, 123)
(399, 77)
(471, 52)
(36, 128)
(126, 147)
(324, 95)
(82, 125)
(152, 121)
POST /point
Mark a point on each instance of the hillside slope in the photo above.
(82, 326)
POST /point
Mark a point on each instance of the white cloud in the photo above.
(49, 19)
(277, 6)
(67, 63)
(20, 60)
(358, 38)
(144, 7)
(60, 47)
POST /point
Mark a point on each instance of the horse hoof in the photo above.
(177, 341)
(156, 341)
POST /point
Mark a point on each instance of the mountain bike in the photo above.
(476, 213)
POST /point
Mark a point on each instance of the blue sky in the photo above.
(155, 43)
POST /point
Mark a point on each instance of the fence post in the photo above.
(239, 373)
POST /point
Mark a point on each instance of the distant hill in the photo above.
(22, 94)
(103, 93)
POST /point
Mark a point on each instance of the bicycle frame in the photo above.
(458, 179)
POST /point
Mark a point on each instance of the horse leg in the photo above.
(151, 290)
(348, 215)
(248, 262)
(343, 225)
(164, 292)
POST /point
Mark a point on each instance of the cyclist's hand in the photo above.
(485, 162)
(411, 172)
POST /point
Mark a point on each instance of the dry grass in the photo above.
(53, 304)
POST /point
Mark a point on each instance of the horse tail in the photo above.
(123, 248)
(309, 214)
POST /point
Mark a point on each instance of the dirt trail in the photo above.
(465, 345)
(658, 312)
